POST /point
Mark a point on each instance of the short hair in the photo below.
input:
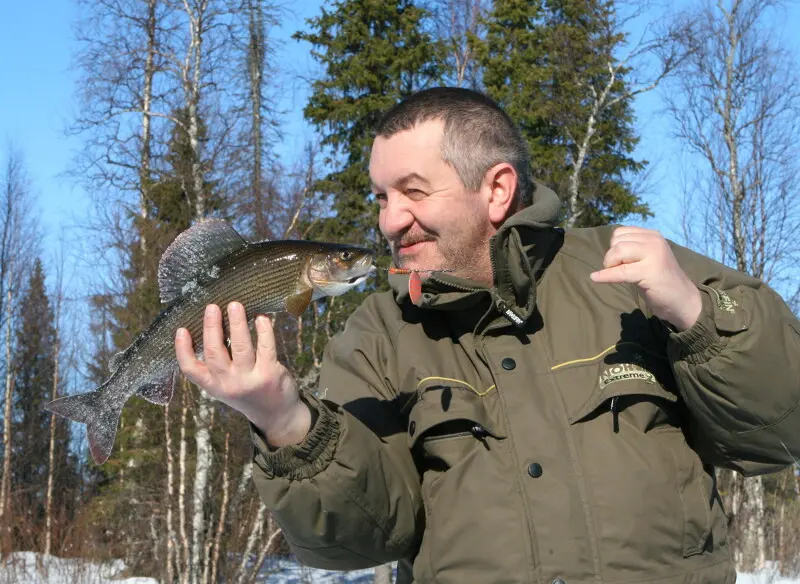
(478, 134)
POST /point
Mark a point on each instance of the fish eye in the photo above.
(345, 255)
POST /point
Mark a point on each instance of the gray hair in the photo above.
(478, 134)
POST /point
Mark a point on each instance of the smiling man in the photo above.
(549, 409)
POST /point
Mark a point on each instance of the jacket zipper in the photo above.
(614, 415)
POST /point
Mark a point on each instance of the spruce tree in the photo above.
(547, 63)
(374, 53)
(33, 386)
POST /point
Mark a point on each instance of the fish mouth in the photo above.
(362, 277)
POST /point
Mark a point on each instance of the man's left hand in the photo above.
(643, 257)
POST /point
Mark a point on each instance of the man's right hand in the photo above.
(251, 381)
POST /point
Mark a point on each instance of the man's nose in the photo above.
(396, 216)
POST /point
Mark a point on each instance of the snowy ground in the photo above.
(30, 568)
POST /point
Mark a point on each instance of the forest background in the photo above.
(125, 121)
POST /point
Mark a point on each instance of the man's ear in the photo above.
(500, 182)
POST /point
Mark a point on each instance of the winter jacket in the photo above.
(546, 430)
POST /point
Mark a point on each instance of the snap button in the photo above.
(508, 363)
(558, 581)
(535, 470)
(412, 427)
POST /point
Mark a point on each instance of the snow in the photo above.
(31, 568)
(768, 575)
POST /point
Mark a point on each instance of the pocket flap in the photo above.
(638, 382)
(448, 407)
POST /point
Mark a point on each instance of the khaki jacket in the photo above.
(548, 430)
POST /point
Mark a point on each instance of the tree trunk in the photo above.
(202, 470)
(192, 94)
(5, 480)
(383, 574)
(222, 513)
(171, 537)
(252, 541)
(147, 101)
(255, 71)
(51, 470)
(184, 565)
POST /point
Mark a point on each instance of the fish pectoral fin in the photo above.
(159, 391)
(298, 303)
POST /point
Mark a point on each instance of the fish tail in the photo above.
(100, 415)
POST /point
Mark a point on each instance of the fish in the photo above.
(210, 263)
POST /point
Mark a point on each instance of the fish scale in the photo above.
(263, 276)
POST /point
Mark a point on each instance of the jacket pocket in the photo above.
(455, 434)
(627, 378)
(448, 420)
(697, 488)
(631, 424)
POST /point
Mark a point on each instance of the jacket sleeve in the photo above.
(738, 370)
(347, 497)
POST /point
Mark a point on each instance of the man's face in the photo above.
(428, 217)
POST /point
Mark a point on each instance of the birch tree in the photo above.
(458, 24)
(17, 233)
(122, 96)
(735, 107)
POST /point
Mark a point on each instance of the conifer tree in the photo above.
(33, 357)
(551, 64)
(374, 53)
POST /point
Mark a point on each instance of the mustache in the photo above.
(411, 239)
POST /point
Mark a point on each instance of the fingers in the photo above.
(632, 234)
(194, 369)
(241, 346)
(624, 252)
(267, 354)
(622, 261)
(215, 353)
(616, 275)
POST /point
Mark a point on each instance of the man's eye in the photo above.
(415, 194)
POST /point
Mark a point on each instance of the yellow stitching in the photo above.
(475, 391)
(588, 359)
(560, 365)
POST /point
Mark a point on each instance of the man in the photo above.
(549, 410)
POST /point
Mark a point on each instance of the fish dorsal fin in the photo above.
(116, 359)
(194, 251)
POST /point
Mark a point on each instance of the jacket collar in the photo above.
(520, 251)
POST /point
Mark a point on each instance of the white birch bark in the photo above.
(184, 565)
(202, 470)
(52, 454)
(222, 513)
(5, 480)
(383, 574)
(252, 541)
(171, 536)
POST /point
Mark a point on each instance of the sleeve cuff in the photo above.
(700, 342)
(304, 460)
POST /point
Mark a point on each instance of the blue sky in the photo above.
(37, 101)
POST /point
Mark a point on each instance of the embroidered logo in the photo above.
(625, 372)
(725, 302)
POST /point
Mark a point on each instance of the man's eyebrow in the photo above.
(403, 181)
